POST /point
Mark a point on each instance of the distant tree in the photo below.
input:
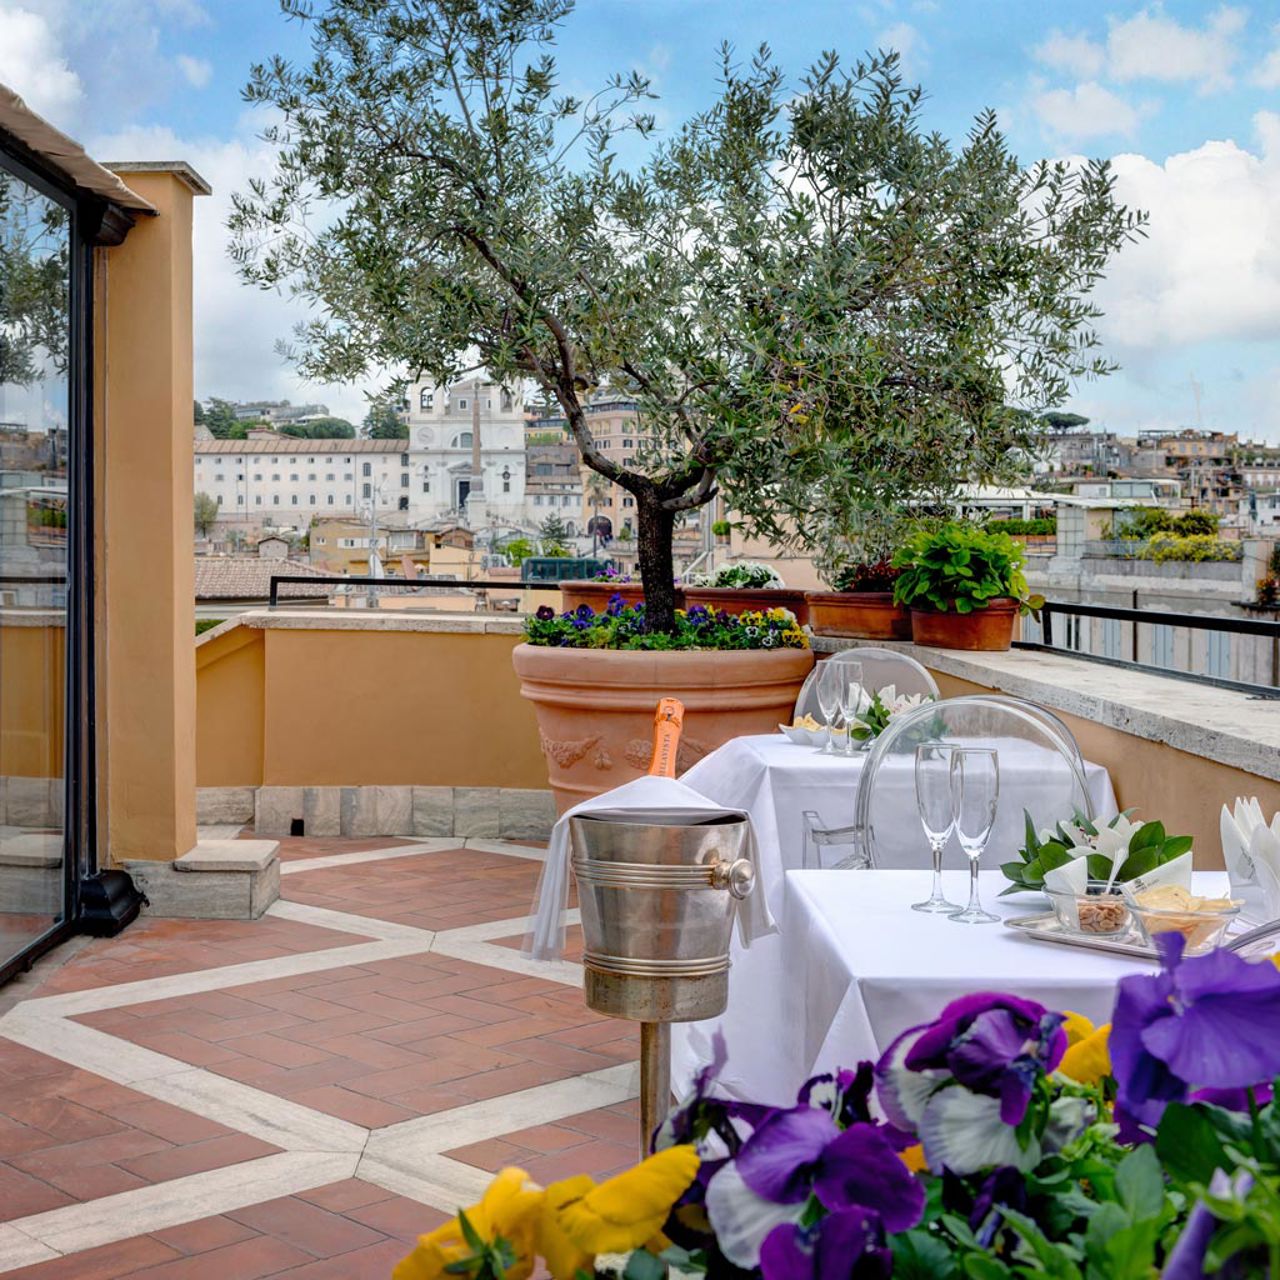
(220, 418)
(382, 422)
(198, 414)
(518, 550)
(1057, 421)
(554, 536)
(319, 429)
(206, 513)
(34, 283)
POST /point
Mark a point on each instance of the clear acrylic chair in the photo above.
(880, 668)
(1041, 776)
(818, 837)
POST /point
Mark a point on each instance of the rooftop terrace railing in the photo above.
(1059, 638)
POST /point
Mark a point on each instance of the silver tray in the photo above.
(1048, 928)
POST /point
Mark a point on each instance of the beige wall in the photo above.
(145, 569)
(301, 707)
(1185, 792)
(31, 693)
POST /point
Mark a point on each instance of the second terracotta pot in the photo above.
(989, 630)
(574, 592)
(863, 615)
(743, 599)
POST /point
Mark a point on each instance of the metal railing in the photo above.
(399, 586)
(1138, 618)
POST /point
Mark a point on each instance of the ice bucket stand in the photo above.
(658, 903)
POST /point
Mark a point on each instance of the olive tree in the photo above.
(797, 284)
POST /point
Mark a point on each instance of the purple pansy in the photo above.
(544, 613)
(1186, 1260)
(1211, 1021)
(995, 1045)
(848, 1245)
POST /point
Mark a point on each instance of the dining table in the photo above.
(774, 781)
(853, 967)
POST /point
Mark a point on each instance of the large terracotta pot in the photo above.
(865, 615)
(989, 629)
(741, 599)
(575, 591)
(595, 706)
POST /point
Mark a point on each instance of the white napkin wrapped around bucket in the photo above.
(1251, 851)
(661, 801)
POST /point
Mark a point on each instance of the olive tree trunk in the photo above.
(657, 561)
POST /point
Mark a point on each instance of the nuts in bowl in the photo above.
(1098, 910)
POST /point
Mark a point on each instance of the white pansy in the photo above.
(741, 1219)
(964, 1132)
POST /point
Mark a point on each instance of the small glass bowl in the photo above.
(1096, 912)
(1203, 930)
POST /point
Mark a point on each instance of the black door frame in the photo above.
(79, 772)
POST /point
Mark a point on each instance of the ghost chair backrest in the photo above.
(880, 668)
(1040, 778)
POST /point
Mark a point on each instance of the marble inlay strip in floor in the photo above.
(169, 1204)
(435, 844)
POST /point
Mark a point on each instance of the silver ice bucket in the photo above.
(658, 907)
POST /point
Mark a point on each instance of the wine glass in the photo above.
(975, 792)
(829, 681)
(937, 815)
(850, 700)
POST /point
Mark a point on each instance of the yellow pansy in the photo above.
(1077, 1027)
(1087, 1061)
(563, 1258)
(621, 1214)
(508, 1208)
(913, 1158)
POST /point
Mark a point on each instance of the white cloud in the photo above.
(1077, 55)
(1210, 267)
(905, 39)
(1153, 46)
(198, 71)
(33, 65)
(236, 326)
(1266, 75)
(1087, 111)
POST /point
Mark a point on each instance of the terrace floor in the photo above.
(305, 1094)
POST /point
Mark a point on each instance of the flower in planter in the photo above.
(878, 576)
(743, 574)
(1210, 1021)
(624, 626)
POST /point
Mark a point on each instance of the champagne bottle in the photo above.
(667, 723)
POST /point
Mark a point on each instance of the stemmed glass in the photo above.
(850, 700)
(829, 682)
(937, 815)
(975, 792)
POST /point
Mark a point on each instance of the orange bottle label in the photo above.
(667, 723)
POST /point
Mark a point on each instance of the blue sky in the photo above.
(1184, 96)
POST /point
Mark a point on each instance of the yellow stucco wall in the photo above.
(1185, 792)
(31, 693)
(350, 707)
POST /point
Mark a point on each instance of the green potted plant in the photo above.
(721, 529)
(963, 586)
(861, 604)
(744, 584)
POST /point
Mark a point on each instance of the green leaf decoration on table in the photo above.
(1149, 848)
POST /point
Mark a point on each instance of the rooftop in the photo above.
(248, 577)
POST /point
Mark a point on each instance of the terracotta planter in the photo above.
(598, 594)
(741, 599)
(595, 706)
(989, 629)
(865, 615)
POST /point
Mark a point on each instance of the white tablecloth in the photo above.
(774, 782)
(855, 967)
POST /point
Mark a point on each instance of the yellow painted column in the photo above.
(145, 571)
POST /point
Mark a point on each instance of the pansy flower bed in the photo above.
(1000, 1140)
(624, 626)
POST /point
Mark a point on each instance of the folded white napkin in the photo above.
(662, 801)
(1251, 851)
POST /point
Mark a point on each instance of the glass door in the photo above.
(38, 431)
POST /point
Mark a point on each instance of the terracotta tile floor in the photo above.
(378, 1050)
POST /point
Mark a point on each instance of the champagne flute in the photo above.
(937, 815)
(850, 700)
(829, 679)
(975, 793)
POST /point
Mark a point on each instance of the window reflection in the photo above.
(35, 331)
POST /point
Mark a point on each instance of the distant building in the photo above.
(553, 484)
(278, 412)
